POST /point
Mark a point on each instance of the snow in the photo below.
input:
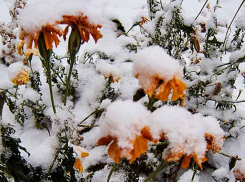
(220, 173)
(154, 61)
(121, 117)
(187, 177)
(108, 70)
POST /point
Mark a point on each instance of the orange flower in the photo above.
(50, 32)
(84, 26)
(21, 78)
(161, 89)
(140, 145)
(143, 21)
(175, 155)
(211, 143)
(78, 162)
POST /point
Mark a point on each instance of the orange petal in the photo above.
(145, 132)
(48, 39)
(140, 146)
(186, 162)
(29, 43)
(114, 152)
(164, 91)
(56, 40)
(96, 34)
(199, 162)
(78, 165)
(84, 34)
(152, 87)
(175, 86)
(181, 88)
(105, 140)
(65, 32)
(173, 156)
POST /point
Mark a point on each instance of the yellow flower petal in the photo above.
(21, 78)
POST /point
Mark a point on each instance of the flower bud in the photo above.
(74, 42)
(42, 47)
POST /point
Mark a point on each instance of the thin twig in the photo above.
(58, 76)
(88, 126)
(55, 158)
(201, 10)
(227, 155)
(232, 22)
(91, 114)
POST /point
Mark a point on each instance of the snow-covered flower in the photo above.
(125, 129)
(239, 170)
(109, 71)
(80, 154)
(18, 73)
(159, 74)
(189, 136)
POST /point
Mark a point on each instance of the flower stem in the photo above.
(151, 102)
(159, 168)
(112, 170)
(195, 172)
(50, 85)
(15, 94)
(135, 24)
(91, 114)
(73, 56)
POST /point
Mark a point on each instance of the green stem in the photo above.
(131, 28)
(15, 94)
(195, 172)
(73, 56)
(92, 113)
(50, 84)
(151, 102)
(112, 170)
(159, 168)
